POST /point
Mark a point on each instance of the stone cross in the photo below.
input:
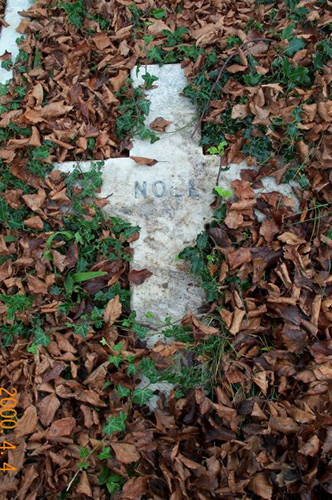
(170, 200)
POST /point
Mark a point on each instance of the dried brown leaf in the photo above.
(160, 124)
(138, 277)
(126, 453)
(261, 485)
(27, 424)
(113, 310)
(144, 161)
(62, 427)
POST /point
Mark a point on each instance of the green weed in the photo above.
(219, 150)
(77, 12)
(15, 303)
(133, 110)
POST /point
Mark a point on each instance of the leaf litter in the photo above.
(254, 419)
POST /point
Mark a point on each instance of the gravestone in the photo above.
(170, 200)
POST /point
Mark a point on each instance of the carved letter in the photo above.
(140, 189)
(174, 194)
(155, 190)
(192, 192)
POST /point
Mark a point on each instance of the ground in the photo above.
(249, 414)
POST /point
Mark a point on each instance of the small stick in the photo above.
(80, 470)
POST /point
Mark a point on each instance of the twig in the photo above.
(80, 470)
(229, 58)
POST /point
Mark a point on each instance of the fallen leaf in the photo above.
(35, 201)
(83, 486)
(101, 40)
(269, 229)
(36, 285)
(138, 277)
(118, 81)
(27, 424)
(261, 485)
(291, 238)
(311, 447)
(54, 110)
(134, 489)
(144, 161)
(126, 453)
(62, 427)
(113, 310)
(240, 111)
(38, 94)
(160, 124)
(239, 257)
(34, 223)
(327, 446)
(59, 260)
(47, 409)
(234, 219)
(285, 425)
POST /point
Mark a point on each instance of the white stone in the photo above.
(9, 34)
(160, 387)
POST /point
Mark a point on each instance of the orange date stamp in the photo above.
(7, 422)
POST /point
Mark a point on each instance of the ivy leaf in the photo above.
(68, 283)
(3, 89)
(202, 241)
(41, 337)
(105, 454)
(295, 44)
(149, 369)
(145, 106)
(114, 483)
(287, 32)
(131, 370)
(123, 392)
(102, 478)
(84, 452)
(294, 73)
(83, 465)
(33, 349)
(142, 396)
(149, 81)
(158, 13)
(115, 360)
(115, 424)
